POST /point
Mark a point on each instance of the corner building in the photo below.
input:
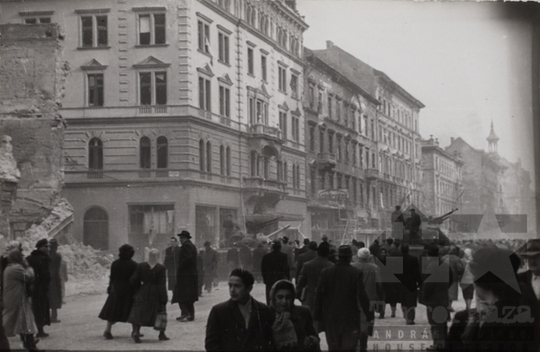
(181, 114)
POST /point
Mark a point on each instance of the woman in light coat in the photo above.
(18, 318)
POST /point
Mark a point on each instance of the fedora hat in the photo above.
(184, 234)
(531, 248)
(345, 251)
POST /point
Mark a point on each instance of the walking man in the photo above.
(241, 323)
(340, 290)
(210, 261)
(413, 225)
(40, 261)
(55, 289)
(186, 292)
(411, 282)
(274, 267)
(172, 257)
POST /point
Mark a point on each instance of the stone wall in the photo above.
(32, 77)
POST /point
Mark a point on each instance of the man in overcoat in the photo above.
(339, 293)
(241, 323)
(55, 289)
(530, 285)
(412, 224)
(40, 261)
(186, 292)
(305, 257)
(308, 279)
(274, 267)
(410, 280)
(172, 257)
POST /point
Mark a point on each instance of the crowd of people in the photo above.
(342, 289)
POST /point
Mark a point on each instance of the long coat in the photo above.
(210, 262)
(17, 315)
(121, 292)
(275, 267)
(309, 279)
(456, 265)
(187, 289)
(172, 257)
(55, 288)
(303, 259)
(226, 328)
(151, 298)
(40, 262)
(410, 281)
(340, 290)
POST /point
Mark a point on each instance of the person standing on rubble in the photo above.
(186, 292)
(40, 261)
(120, 290)
(55, 290)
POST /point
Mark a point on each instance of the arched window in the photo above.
(294, 176)
(254, 164)
(162, 152)
(208, 157)
(202, 154)
(222, 166)
(145, 153)
(96, 228)
(95, 154)
(228, 157)
(285, 176)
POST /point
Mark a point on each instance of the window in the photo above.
(283, 124)
(282, 77)
(95, 154)
(294, 86)
(208, 157)
(264, 24)
(95, 89)
(330, 142)
(321, 141)
(346, 152)
(145, 157)
(354, 146)
(295, 128)
(254, 163)
(153, 88)
(311, 96)
(313, 177)
(94, 31)
(204, 94)
(204, 36)
(223, 48)
(226, 4)
(330, 106)
(338, 149)
(345, 114)
(37, 20)
(224, 102)
(263, 67)
(295, 46)
(285, 173)
(222, 166)
(281, 37)
(311, 138)
(162, 152)
(228, 160)
(202, 154)
(251, 14)
(250, 61)
(338, 110)
(152, 29)
(262, 112)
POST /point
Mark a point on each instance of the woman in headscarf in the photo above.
(500, 321)
(293, 328)
(151, 298)
(120, 290)
(17, 317)
(467, 280)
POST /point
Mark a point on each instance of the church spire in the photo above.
(492, 140)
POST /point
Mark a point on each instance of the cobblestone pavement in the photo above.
(81, 329)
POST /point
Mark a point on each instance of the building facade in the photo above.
(181, 115)
(399, 146)
(442, 185)
(340, 107)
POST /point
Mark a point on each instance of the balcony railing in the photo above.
(148, 109)
(371, 174)
(262, 183)
(260, 129)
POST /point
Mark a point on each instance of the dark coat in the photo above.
(275, 267)
(303, 259)
(187, 289)
(233, 256)
(309, 279)
(201, 270)
(436, 280)
(529, 298)
(410, 281)
(258, 254)
(226, 328)
(339, 293)
(300, 251)
(41, 263)
(210, 261)
(172, 257)
(151, 297)
(303, 327)
(120, 300)
(55, 288)
(465, 335)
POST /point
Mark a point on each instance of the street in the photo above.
(81, 329)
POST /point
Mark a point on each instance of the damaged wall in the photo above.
(32, 80)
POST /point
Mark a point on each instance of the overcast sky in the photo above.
(469, 63)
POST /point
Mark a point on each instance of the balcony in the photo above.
(326, 161)
(371, 174)
(261, 136)
(269, 191)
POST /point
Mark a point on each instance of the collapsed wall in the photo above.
(32, 84)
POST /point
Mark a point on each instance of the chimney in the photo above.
(329, 44)
(437, 142)
(451, 140)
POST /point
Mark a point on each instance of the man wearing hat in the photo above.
(530, 283)
(274, 267)
(186, 292)
(340, 289)
(40, 261)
